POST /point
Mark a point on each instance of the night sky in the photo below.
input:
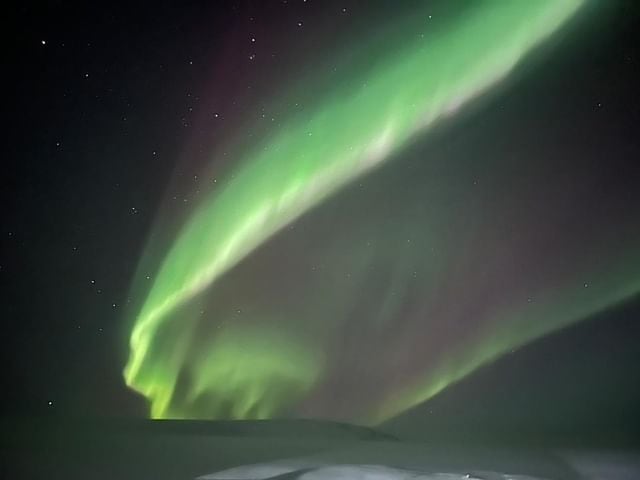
(336, 210)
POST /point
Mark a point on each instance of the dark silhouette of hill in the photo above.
(102, 448)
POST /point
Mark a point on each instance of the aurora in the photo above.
(194, 353)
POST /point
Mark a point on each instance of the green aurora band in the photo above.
(255, 373)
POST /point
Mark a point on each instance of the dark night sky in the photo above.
(111, 111)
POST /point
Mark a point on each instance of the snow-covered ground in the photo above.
(404, 461)
(349, 472)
